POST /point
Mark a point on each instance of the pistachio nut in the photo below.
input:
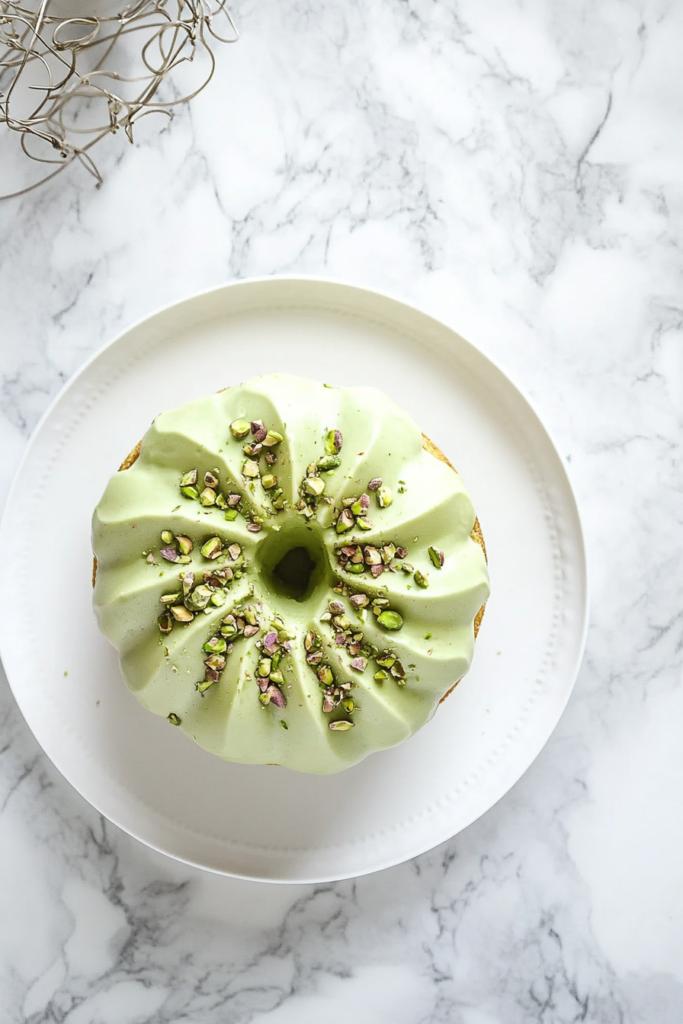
(212, 547)
(390, 619)
(436, 556)
(185, 545)
(333, 442)
(340, 726)
(165, 623)
(181, 614)
(240, 428)
(314, 485)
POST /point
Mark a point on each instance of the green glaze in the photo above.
(430, 507)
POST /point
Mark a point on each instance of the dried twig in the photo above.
(74, 71)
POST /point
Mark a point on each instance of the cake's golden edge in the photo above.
(476, 535)
(428, 446)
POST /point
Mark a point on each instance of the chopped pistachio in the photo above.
(250, 616)
(397, 670)
(360, 600)
(272, 438)
(328, 462)
(198, 598)
(364, 523)
(360, 507)
(371, 555)
(170, 598)
(333, 442)
(311, 640)
(204, 685)
(165, 623)
(384, 497)
(216, 645)
(264, 698)
(359, 664)
(188, 582)
(388, 552)
(341, 726)
(421, 579)
(212, 548)
(278, 498)
(208, 496)
(283, 724)
(345, 521)
(348, 705)
(166, 537)
(325, 675)
(250, 469)
(218, 598)
(210, 480)
(268, 481)
(170, 554)
(390, 620)
(314, 485)
(240, 428)
(189, 492)
(234, 551)
(407, 568)
(258, 430)
(386, 659)
(264, 667)
(189, 478)
(329, 703)
(221, 501)
(436, 556)
(375, 483)
(381, 675)
(276, 676)
(355, 567)
(174, 719)
(181, 614)
(231, 514)
(185, 545)
(277, 697)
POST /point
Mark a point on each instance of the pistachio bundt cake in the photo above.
(290, 572)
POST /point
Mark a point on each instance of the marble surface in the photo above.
(516, 167)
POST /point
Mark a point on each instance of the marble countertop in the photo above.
(515, 168)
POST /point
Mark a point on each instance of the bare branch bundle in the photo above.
(74, 71)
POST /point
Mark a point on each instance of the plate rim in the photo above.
(580, 560)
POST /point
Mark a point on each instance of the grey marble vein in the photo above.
(515, 167)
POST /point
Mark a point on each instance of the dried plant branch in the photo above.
(68, 80)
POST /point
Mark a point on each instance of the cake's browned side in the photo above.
(126, 464)
(476, 535)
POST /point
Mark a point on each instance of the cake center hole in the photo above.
(292, 563)
(294, 571)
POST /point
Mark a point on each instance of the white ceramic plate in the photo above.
(270, 823)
